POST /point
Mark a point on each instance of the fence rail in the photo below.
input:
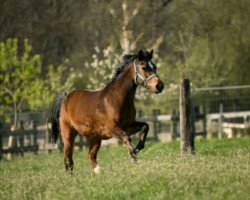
(37, 139)
(21, 150)
(18, 136)
(202, 122)
(244, 115)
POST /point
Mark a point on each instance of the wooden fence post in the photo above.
(12, 143)
(185, 117)
(21, 138)
(34, 137)
(46, 141)
(81, 143)
(174, 125)
(156, 124)
(220, 133)
(204, 122)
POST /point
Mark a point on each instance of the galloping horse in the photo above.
(109, 112)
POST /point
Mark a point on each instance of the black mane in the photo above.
(126, 59)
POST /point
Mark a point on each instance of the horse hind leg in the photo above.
(68, 136)
(94, 146)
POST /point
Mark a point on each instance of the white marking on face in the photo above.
(151, 65)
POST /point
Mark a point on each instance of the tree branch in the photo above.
(7, 90)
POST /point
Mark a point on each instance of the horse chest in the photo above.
(127, 115)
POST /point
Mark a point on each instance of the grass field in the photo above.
(220, 170)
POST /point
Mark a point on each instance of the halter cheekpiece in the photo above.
(144, 79)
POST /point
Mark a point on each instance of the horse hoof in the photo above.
(136, 151)
(97, 169)
(133, 160)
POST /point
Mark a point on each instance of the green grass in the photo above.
(220, 170)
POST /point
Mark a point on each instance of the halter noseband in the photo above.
(144, 79)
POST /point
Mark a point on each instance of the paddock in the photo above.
(220, 170)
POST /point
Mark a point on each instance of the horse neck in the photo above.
(123, 87)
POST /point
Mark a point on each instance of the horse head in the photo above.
(145, 72)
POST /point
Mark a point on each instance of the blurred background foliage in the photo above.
(51, 46)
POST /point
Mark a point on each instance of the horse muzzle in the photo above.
(159, 87)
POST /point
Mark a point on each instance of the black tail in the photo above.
(53, 117)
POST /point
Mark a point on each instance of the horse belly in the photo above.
(89, 128)
(104, 131)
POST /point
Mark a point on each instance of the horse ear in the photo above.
(140, 55)
(151, 54)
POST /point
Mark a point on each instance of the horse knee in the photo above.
(126, 139)
(145, 128)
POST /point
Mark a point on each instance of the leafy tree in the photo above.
(21, 84)
(102, 66)
(206, 43)
(19, 75)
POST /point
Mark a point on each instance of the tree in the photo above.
(18, 75)
(102, 66)
(21, 84)
(207, 41)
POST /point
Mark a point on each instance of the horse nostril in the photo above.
(160, 86)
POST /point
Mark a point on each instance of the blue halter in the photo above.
(144, 79)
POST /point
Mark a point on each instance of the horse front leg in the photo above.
(135, 127)
(121, 134)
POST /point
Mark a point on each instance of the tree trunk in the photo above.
(15, 113)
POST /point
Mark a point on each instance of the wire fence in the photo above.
(232, 98)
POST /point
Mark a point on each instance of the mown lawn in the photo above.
(220, 170)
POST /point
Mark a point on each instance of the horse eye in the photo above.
(144, 68)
